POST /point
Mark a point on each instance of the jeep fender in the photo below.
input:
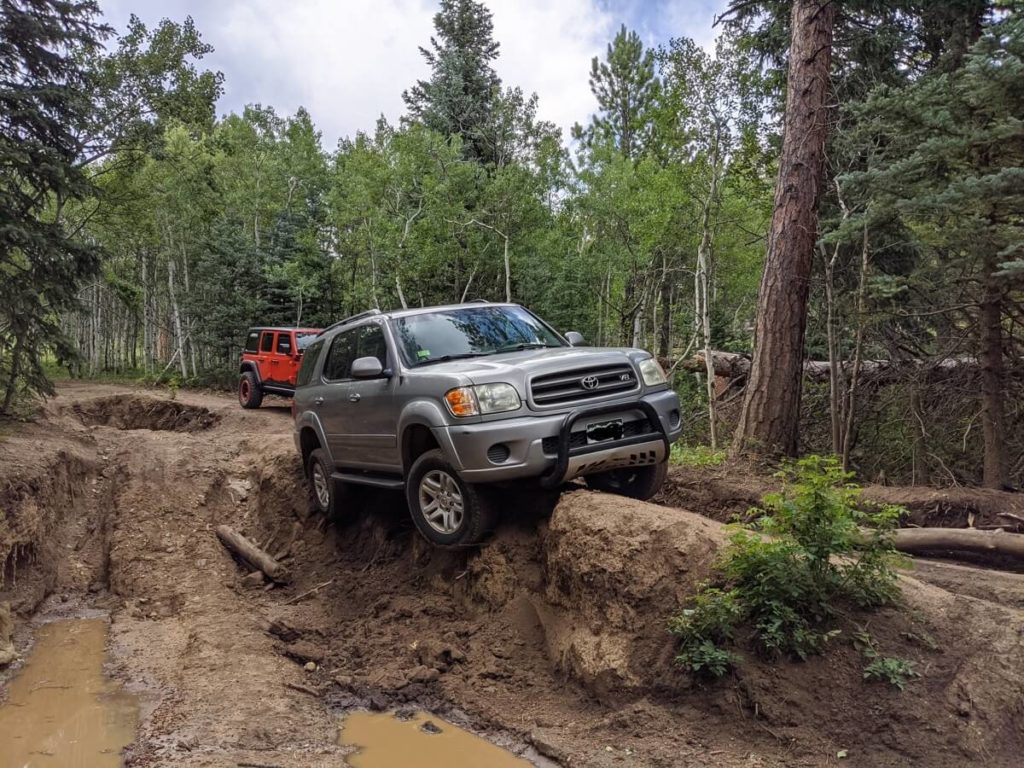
(429, 414)
(310, 420)
(250, 366)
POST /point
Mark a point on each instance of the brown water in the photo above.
(387, 742)
(61, 712)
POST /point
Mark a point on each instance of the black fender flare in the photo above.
(251, 367)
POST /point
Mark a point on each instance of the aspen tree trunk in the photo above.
(176, 319)
(701, 279)
(769, 419)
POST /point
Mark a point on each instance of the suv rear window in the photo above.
(267, 343)
(252, 341)
(308, 363)
(340, 355)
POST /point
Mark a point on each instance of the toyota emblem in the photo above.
(589, 382)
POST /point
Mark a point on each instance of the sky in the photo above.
(348, 61)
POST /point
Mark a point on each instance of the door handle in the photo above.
(318, 402)
(354, 397)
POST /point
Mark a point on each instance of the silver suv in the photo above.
(440, 401)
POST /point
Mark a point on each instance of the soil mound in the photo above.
(137, 412)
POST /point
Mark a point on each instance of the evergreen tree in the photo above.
(459, 98)
(947, 153)
(627, 90)
(43, 108)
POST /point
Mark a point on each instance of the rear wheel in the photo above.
(250, 393)
(636, 482)
(323, 489)
(446, 510)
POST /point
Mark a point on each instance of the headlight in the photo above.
(481, 399)
(651, 372)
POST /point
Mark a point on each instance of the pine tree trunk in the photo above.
(12, 382)
(770, 416)
(991, 357)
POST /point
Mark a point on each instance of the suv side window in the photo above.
(267, 342)
(252, 341)
(284, 343)
(341, 354)
(309, 358)
(372, 344)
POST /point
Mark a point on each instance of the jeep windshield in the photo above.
(453, 334)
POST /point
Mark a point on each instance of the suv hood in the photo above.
(513, 366)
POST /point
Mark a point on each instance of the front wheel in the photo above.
(250, 393)
(446, 510)
(636, 482)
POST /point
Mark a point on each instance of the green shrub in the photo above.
(896, 672)
(810, 548)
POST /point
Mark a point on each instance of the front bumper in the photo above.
(548, 447)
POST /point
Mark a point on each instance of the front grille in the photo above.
(578, 438)
(561, 388)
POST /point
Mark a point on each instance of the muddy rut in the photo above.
(550, 640)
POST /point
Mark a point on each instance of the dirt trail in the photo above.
(550, 640)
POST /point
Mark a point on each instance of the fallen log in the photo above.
(736, 366)
(920, 540)
(253, 555)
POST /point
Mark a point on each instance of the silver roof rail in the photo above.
(350, 319)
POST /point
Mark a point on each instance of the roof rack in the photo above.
(350, 319)
(478, 301)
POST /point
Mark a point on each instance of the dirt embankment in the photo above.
(551, 639)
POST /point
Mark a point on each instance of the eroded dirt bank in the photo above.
(550, 640)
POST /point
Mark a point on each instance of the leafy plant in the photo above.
(897, 672)
(811, 547)
(886, 669)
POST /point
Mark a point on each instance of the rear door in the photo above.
(336, 378)
(263, 356)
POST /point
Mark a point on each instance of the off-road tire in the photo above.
(636, 482)
(250, 393)
(324, 494)
(479, 514)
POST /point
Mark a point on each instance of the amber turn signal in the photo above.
(462, 401)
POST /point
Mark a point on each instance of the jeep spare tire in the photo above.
(250, 393)
(445, 509)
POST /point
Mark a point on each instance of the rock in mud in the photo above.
(423, 674)
(429, 727)
(7, 652)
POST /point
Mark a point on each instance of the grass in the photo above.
(697, 456)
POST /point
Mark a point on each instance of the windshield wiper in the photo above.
(526, 345)
(446, 358)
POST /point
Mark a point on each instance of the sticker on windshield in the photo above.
(422, 354)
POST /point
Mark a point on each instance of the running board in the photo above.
(375, 481)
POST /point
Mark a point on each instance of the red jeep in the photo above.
(270, 361)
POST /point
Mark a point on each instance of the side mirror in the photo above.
(575, 339)
(367, 368)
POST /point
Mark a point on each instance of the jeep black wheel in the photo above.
(636, 482)
(250, 393)
(323, 490)
(446, 510)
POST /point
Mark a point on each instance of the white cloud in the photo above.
(348, 61)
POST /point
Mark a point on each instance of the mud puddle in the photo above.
(61, 710)
(387, 741)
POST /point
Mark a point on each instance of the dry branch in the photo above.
(252, 554)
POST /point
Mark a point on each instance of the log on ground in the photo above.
(998, 542)
(252, 554)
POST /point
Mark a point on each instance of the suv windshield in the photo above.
(434, 337)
